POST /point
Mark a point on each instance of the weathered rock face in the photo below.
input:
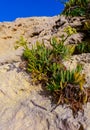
(24, 106)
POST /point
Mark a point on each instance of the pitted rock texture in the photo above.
(24, 106)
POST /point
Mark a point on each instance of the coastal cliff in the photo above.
(22, 106)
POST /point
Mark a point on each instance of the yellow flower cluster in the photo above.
(69, 30)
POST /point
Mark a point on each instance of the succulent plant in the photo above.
(46, 67)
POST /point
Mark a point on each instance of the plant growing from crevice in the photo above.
(82, 47)
(60, 50)
(67, 86)
(46, 67)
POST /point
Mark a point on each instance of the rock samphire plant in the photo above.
(46, 67)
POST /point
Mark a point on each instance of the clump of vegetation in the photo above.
(59, 50)
(76, 7)
(82, 47)
(67, 86)
(46, 67)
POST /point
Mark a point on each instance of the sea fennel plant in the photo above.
(59, 49)
(46, 67)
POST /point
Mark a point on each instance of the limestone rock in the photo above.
(24, 106)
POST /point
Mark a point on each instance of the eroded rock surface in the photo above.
(24, 106)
